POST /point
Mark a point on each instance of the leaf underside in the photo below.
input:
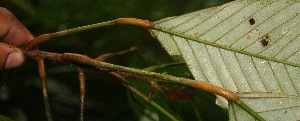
(271, 106)
(250, 46)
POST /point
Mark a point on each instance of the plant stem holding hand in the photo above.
(12, 35)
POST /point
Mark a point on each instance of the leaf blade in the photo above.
(244, 46)
(280, 107)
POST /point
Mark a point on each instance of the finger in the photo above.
(10, 56)
(11, 30)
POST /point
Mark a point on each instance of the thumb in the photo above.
(10, 56)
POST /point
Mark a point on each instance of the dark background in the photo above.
(21, 95)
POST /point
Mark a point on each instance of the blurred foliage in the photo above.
(21, 96)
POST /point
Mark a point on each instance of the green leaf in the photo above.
(244, 46)
(272, 106)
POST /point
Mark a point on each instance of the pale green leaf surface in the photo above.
(221, 46)
(272, 106)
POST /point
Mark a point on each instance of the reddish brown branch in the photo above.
(85, 60)
(131, 21)
(134, 21)
(113, 55)
(82, 87)
(229, 95)
(42, 73)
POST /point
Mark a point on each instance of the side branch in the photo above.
(42, 73)
(129, 21)
(85, 60)
(82, 88)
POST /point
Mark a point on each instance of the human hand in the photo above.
(12, 35)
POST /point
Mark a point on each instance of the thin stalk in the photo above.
(197, 113)
(130, 21)
(250, 111)
(153, 68)
(82, 88)
(113, 55)
(151, 102)
(42, 73)
(155, 85)
(45, 37)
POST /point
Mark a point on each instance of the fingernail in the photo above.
(14, 59)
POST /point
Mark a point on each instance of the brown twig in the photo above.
(131, 21)
(85, 60)
(82, 89)
(42, 73)
(113, 55)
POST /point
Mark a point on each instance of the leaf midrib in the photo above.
(225, 47)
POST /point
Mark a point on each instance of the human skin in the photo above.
(12, 35)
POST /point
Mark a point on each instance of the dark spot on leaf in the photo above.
(265, 41)
(251, 21)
